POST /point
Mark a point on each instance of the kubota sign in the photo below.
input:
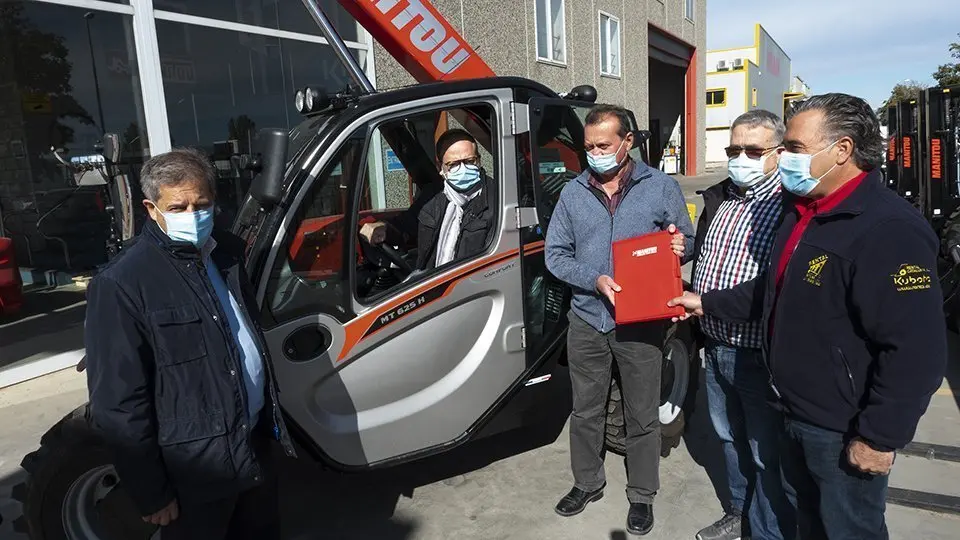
(415, 33)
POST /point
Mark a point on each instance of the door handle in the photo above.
(307, 343)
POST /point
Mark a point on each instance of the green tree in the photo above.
(40, 66)
(902, 91)
(949, 74)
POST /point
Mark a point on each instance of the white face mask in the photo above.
(746, 172)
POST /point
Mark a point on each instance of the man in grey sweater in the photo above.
(616, 198)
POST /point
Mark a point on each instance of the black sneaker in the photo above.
(574, 502)
(727, 528)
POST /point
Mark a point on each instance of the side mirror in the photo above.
(641, 136)
(584, 92)
(271, 145)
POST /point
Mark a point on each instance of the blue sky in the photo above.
(860, 47)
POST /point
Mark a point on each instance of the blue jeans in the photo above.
(750, 432)
(834, 500)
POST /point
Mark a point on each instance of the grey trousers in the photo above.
(637, 351)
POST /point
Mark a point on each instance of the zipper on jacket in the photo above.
(778, 298)
(846, 366)
(606, 209)
(207, 286)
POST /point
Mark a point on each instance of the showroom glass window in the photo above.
(54, 62)
(289, 15)
(221, 86)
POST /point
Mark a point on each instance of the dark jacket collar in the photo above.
(226, 244)
(155, 235)
(726, 189)
(857, 201)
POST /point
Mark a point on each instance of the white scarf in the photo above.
(450, 228)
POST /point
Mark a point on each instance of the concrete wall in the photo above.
(503, 34)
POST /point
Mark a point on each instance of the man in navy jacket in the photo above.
(856, 342)
(181, 386)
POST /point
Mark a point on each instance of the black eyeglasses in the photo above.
(753, 152)
(450, 165)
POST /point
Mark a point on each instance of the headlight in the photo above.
(311, 98)
(299, 101)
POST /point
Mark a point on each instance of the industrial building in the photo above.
(165, 73)
(746, 78)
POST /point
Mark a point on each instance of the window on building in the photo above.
(689, 9)
(67, 74)
(274, 14)
(551, 34)
(609, 45)
(221, 86)
(716, 97)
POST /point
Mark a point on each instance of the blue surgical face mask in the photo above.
(746, 172)
(604, 163)
(463, 177)
(193, 227)
(795, 172)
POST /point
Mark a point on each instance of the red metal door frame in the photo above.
(691, 140)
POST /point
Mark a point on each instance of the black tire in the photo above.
(680, 339)
(70, 450)
(950, 271)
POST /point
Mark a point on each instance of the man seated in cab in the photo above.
(458, 222)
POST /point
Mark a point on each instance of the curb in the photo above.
(50, 278)
(39, 368)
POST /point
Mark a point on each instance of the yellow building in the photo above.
(745, 78)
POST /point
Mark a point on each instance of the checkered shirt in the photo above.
(737, 248)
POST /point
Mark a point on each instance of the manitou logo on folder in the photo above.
(645, 251)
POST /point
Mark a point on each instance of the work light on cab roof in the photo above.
(310, 100)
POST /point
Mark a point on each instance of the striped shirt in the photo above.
(737, 248)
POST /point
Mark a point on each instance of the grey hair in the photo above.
(762, 118)
(174, 168)
(848, 116)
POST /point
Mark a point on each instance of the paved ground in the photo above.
(478, 492)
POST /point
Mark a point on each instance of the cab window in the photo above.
(385, 175)
(308, 275)
(411, 229)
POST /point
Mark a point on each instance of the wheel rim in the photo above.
(81, 509)
(674, 390)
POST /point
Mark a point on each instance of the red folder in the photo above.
(648, 272)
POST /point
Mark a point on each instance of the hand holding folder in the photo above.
(648, 273)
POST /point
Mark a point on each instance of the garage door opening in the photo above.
(672, 112)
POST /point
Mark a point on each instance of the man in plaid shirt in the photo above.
(734, 238)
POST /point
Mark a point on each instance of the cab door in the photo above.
(553, 155)
(380, 355)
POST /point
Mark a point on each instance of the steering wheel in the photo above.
(383, 254)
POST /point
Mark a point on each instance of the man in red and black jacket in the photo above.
(856, 342)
